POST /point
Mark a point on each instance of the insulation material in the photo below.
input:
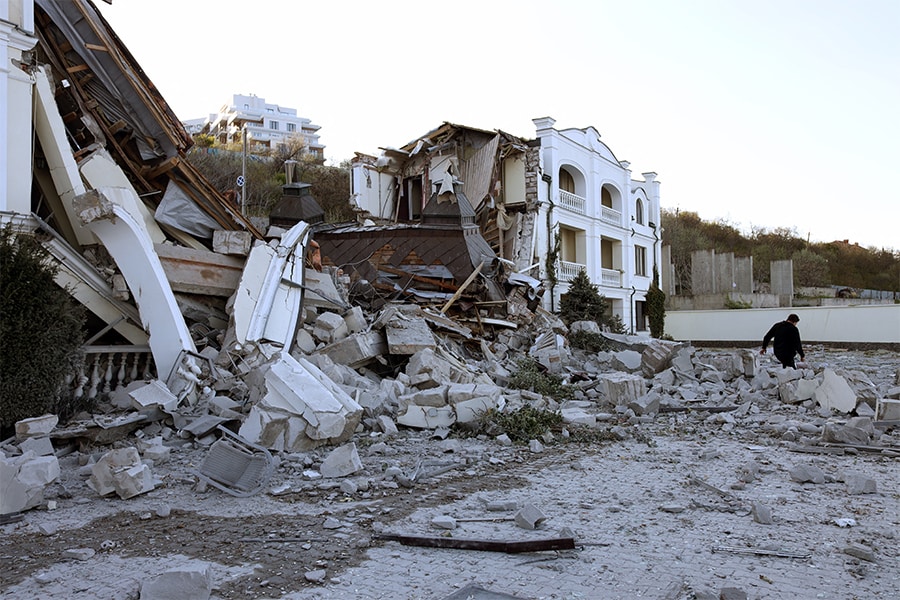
(179, 211)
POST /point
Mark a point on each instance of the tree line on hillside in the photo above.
(222, 164)
(837, 263)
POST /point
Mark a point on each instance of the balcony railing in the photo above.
(609, 215)
(107, 368)
(610, 278)
(568, 270)
(571, 202)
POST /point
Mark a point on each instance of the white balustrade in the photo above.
(568, 270)
(109, 368)
(571, 202)
(611, 216)
(610, 278)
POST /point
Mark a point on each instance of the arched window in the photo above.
(566, 181)
(639, 211)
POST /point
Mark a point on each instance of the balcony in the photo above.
(611, 216)
(568, 270)
(610, 278)
(570, 201)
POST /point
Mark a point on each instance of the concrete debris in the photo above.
(530, 517)
(807, 473)
(121, 472)
(23, 480)
(835, 393)
(185, 583)
(35, 427)
(301, 408)
(341, 461)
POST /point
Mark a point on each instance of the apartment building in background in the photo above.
(266, 124)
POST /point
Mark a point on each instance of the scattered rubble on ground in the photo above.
(325, 421)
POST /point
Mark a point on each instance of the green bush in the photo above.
(522, 425)
(589, 342)
(40, 330)
(530, 376)
(656, 307)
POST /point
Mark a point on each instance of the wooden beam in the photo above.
(462, 288)
(510, 547)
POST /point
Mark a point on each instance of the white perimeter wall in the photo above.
(858, 324)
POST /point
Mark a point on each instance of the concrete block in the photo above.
(39, 446)
(857, 483)
(861, 552)
(121, 471)
(657, 356)
(530, 517)
(835, 393)
(574, 414)
(807, 473)
(179, 584)
(341, 461)
(762, 514)
(357, 349)
(237, 243)
(154, 394)
(407, 336)
(427, 417)
(629, 361)
(330, 327)
(845, 434)
(304, 341)
(469, 411)
(648, 404)
(436, 396)
(387, 425)
(301, 408)
(355, 320)
(36, 426)
(888, 409)
(427, 369)
(321, 291)
(586, 326)
(444, 522)
(23, 479)
(621, 388)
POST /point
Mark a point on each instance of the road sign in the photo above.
(240, 181)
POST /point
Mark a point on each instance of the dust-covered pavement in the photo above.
(677, 506)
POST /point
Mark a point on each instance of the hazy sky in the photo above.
(761, 113)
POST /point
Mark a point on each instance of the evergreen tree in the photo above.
(656, 306)
(583, 302)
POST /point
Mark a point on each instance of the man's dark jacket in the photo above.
(787, 339)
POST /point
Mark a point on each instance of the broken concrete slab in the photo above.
(36, 426)
(835, 393)
(427, 417)
(657, 356)
(621, 388)
(857, 483)
(301, 408)
(356, 350)
(888, 410)
(845, 434)
(39, 446)
(529, 516)
(232, 242)
(807, 473)
(321, 292)
(184, 583)
(153, 394)
(408, 335)
(426, 369)
(628, 361)
(341, 461)
(330, 327)
(647, 404)
(23, 480)
(121, 471)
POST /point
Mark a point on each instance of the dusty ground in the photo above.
(645, 527)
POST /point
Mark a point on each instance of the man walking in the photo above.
(786, 342)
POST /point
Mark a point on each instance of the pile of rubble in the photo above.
(412, 367)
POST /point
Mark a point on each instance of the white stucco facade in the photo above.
(607, 222)
(16, 38)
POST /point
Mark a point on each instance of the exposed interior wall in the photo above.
(876, 324)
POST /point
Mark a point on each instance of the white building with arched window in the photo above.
(604, 221)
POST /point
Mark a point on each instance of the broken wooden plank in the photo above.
(462, 288)
(761, 552)
(510, 547)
